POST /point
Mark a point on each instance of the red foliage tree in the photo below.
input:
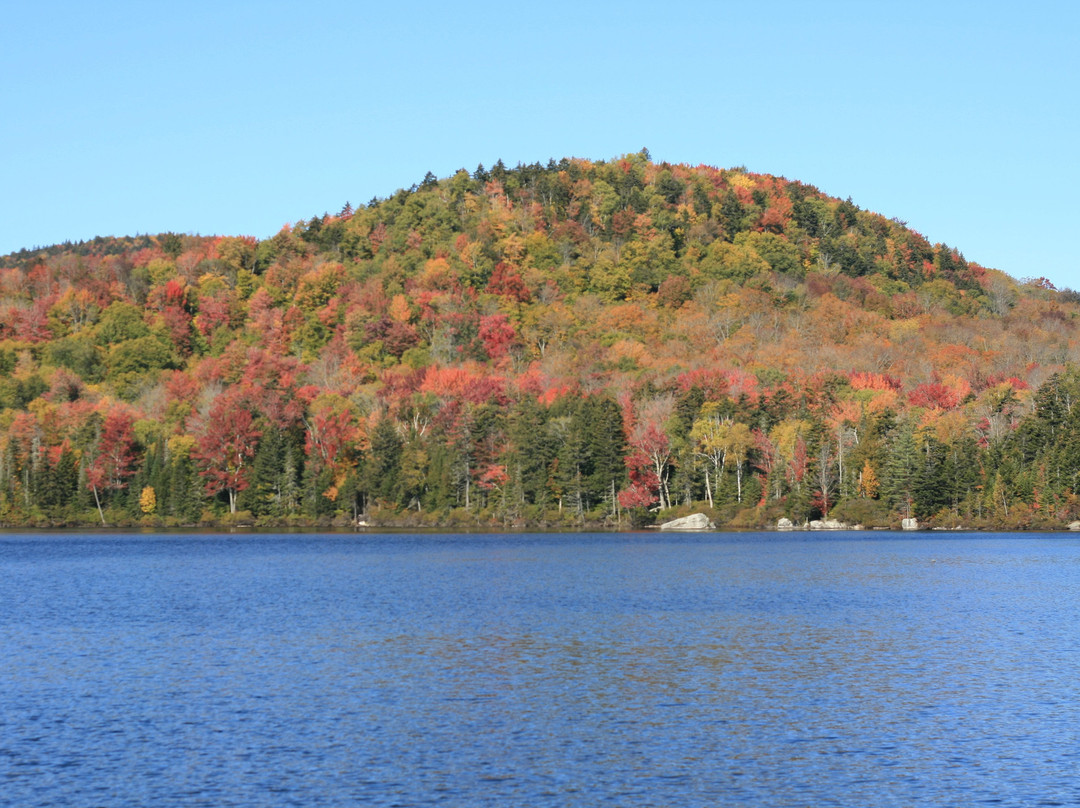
(214, 311)
(652, 443)
(32, 322)
(497, 334)
(493, 478)
(933, 396)
(644, 487)
(396, 337)
(712, 382)
(115, 459)
(506, 281)
(226, 446)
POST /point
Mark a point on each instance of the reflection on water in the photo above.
(861, 670)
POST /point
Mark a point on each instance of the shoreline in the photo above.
(452, 530)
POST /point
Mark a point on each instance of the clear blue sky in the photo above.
(235, 118)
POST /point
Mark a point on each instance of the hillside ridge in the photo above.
(582, 342)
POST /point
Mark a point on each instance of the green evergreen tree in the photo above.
(185, 497)
(902, 467)
(532, 451)
(288, 486)
(567, 479)
(931, 489)
(440, 492)
(382, 465)
(262, 497)
(732, 215)
(601, 425)
(314, 487)
(412, 480)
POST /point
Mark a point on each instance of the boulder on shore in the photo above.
(827, 524)
(909, 524)
(785, 524)
(1074, 525)
(695, 521)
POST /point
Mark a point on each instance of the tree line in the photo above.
(576, 460)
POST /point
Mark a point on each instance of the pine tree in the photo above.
(568, 470)
(289, 485)
(533, 451)
(382, 465)
(901, 471)
(263, 495)
(931, 489)
(185, 500)
(605, 448)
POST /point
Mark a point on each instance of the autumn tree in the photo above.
(331, 442)
(148, 500)
(650, 439)
(707, 438)
(225, 447)
(115, 456)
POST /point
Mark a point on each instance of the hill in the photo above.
(578, 343)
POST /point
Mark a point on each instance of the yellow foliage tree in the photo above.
(148, 500)
(399, 309)
(868, 482)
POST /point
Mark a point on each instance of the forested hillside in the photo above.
(577, 343)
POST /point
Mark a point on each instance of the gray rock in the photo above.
(827, 524)
(785, 524)
(695, 521)
(910, 524)
(1074, 525)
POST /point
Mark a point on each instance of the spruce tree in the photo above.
(263, 494)
(529, 461)
(931, 487)
(902, 466)
(605, 449)
(382, 466)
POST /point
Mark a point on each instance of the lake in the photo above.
(642, 669)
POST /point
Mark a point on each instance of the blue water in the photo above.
(539, 670)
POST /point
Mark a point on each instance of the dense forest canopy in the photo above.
(586, 342)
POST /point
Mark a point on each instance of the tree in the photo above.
(586, 445)
(383, 463)
(605, 446)
(789, 450)
(330, 442)
(58, 478)
(148, 500)
(119, 322)
(825, 479)
(732, 214)
(414, 465)
(902, 471)
(740, 440)
(644, 488)
(869, 486)
(707, 437)
(652, 442)
(115, 459)
(182, 497)
(717, 438)
(529, 461)
(77, 353)
(226, 446)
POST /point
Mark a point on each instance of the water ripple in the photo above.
(538, 669)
